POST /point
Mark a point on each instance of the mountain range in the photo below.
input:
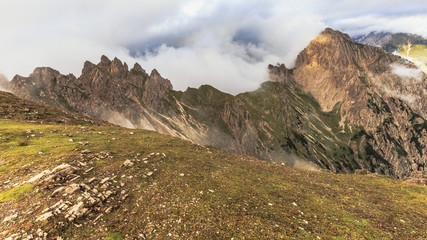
(410, 46)
(68, 171)
(343, 107)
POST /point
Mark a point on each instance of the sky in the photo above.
(225, 43)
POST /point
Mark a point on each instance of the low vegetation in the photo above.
(162, 187)
(197, 193)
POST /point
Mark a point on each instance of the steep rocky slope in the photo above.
(16, 108)
(105, 182)
(342, 108)
(359, 78)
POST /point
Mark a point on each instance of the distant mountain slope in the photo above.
(410, 46)
(101, 182)
(16, 108)
(344, 107)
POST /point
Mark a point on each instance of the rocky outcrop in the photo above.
(74, 196)
(106, 91)
(343, 107)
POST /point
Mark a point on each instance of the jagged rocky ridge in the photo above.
(341, 107)
(390, 41)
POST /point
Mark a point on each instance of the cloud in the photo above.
(227, 44)
(405, 72)
(3, 83)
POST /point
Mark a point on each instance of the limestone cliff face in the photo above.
(344, 107)
(372, 94)
(107, 91)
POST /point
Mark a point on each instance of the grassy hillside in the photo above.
(172, 189)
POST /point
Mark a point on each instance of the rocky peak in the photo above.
(137, 68)
(118, 68)
(333, 35)
(279, 73)
(44, 72)
(105, 61)
(155, 74)
(156, 87)
(331, 49)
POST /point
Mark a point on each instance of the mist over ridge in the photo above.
(226, 44)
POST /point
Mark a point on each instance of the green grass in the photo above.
(199, 193)
(15, 193)
(113, 236)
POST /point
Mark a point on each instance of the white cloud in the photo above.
(225, 43)
(405, 72)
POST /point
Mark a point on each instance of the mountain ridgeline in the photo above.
(409, 46)
(342, 107)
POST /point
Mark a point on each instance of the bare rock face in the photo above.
(375, 90)
(107, 91)
(344, 107)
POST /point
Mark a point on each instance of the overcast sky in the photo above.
(225, 43)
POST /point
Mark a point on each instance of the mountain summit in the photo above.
(345, 107)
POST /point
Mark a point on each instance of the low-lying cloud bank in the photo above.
(225, 43)
(405, 72)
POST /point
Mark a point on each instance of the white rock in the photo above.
(107, 194)
(104, 180)
(128, 163)
(91, 180)
(57, 191)
(72, 188)
(44, 216)
(12, 237)
(77, 210)
(10, 218)
(39, 176)
(53, 206)
(108, 210)
(61, 167)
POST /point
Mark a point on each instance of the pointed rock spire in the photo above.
(104, 61)
(155, 73)
(137, 68)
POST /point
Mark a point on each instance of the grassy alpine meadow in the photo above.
(163, 187)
